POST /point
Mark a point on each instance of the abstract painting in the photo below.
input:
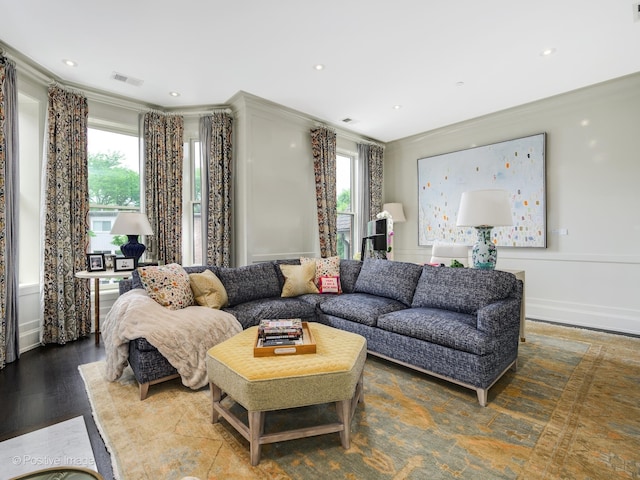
(517, 166)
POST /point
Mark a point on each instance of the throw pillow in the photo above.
(208, 290)
(250, 282)
(168, 285)
(325, 267)
(385, 278)
(298, 279)
(329, 285)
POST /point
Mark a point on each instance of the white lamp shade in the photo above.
(131, 223)
(484, 208)
(396, 211)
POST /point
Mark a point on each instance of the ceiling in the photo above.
(440, 61)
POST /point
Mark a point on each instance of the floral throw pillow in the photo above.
(168, 285)
(325, 267)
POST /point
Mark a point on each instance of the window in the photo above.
(345, 201)
(114, 184)
(29, 139)
(101, 226)
(193, 240)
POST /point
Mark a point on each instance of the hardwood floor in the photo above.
(44, 387)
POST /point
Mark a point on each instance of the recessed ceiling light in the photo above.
(459, 84)
(548, 51)
(397, 107)
(319, 66)
(69, 63)
(174, 94)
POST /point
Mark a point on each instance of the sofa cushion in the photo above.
(250, 282)
(463, 290)
(168, 285)
(250, 313)
(298, 279)
(360, 307)
(349, 271)
(385, 278)
(444, 327)
(208, 290)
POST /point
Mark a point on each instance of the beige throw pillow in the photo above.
(208, 290)
(298, 279)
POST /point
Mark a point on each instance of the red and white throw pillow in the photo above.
(329, 284)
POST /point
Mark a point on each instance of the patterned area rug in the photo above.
(572, 410)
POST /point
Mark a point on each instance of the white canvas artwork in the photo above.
(517, 166)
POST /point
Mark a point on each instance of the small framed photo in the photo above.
(124, 264)
(95, 262)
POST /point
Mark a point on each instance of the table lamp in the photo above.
(132, 224)
(396, 212)
(483, 210)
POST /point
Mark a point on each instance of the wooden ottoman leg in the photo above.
(216, 395)
(256, 429)
(344, 414)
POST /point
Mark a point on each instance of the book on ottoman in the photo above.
(270, 346)
(281, 329)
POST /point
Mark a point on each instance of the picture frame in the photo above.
(516, 165)
(95, 262)
(124, 264)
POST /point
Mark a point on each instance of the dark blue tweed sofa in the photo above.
(458, 324)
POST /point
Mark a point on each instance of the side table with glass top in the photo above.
(97, 276)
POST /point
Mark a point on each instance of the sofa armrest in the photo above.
(500, 318)
(124, 286)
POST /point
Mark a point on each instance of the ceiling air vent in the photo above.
(126, 79)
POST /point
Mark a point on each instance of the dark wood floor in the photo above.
(44, 387)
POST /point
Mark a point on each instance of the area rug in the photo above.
(572, 410)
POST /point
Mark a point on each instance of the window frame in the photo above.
(354, 212)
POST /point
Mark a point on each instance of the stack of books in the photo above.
(280, 332)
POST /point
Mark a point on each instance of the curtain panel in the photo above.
(216, 134)
(375, 160)
(9, 186)
(65, 300)
(323, 147)
(163, 157)
(371, 171)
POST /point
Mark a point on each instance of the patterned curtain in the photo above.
(9, 181)
(323, 146)
(375, 161)
(216, 137)
(163, 155)
(65, 299)
(371, 161)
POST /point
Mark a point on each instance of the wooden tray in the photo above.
(308, 346)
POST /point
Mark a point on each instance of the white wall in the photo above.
(590, 277)
(274, 210)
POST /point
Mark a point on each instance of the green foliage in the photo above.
(344, 201)
(119, 240)
(110, 183)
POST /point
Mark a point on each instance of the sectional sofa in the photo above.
(458, 324)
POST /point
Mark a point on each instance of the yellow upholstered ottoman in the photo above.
(261, 384)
